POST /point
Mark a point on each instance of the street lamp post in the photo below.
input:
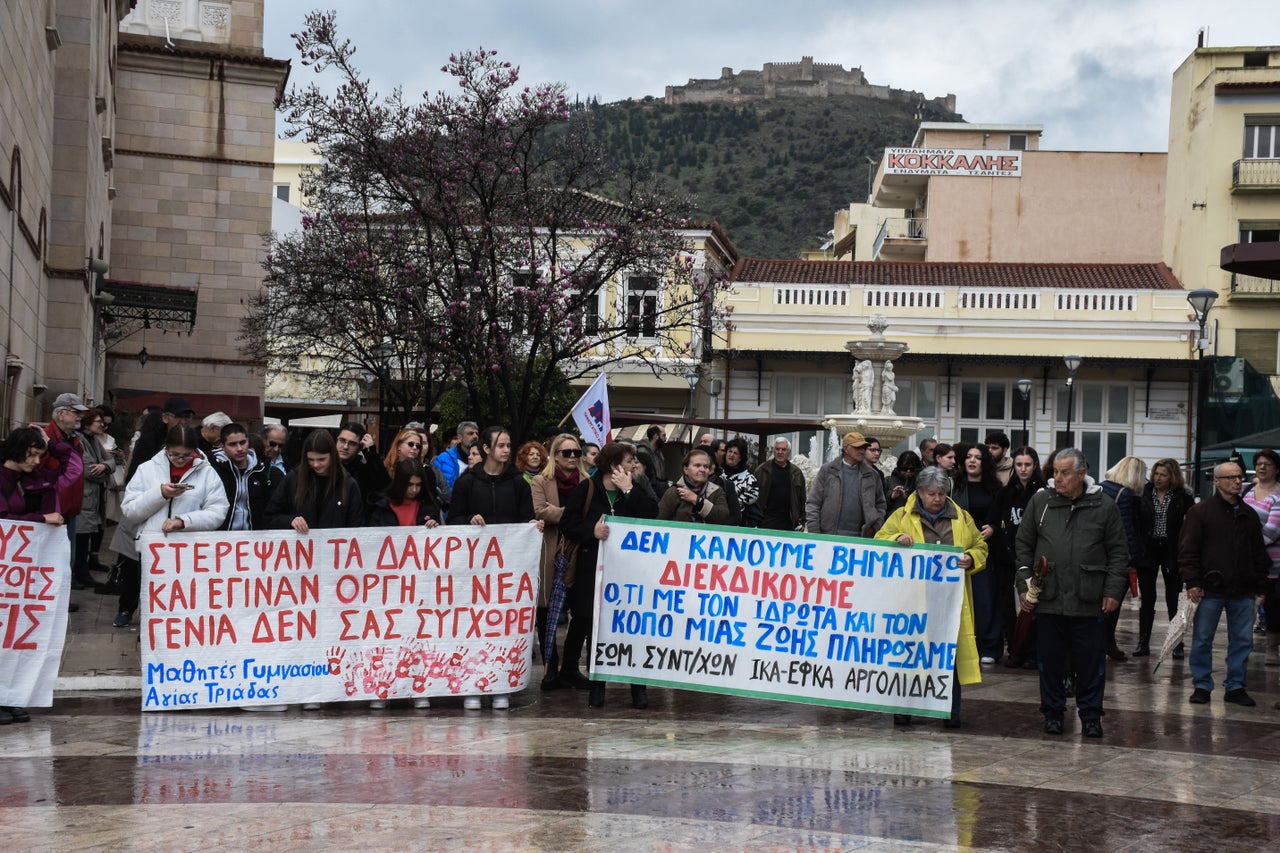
(1024, 390)
(381, 353)
(1201, 302)
(691, 376)
(1073, 364)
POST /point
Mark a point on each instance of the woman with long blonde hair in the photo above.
(1123, 483)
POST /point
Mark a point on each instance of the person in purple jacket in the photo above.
(29, 492)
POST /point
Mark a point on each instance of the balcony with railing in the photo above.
(1254, 286)
(902, 240)
(1255, 176)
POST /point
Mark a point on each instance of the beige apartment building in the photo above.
(1224, 202)
(138, 141)
(993, 260)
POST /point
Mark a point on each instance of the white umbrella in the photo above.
(1177, 627)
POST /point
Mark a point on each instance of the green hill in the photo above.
(772, 172)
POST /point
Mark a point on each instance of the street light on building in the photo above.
(1024, 391)
(1073, 364)
(1201, 302)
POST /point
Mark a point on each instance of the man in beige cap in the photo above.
(846, 498)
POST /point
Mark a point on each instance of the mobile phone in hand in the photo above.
(186, 487)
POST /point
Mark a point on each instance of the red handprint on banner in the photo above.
(516, 673)
(336, 654)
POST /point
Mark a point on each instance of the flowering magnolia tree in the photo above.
(462, 242)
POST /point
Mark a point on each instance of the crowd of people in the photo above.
(1078, 544)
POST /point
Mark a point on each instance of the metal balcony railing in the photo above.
(1252, 285)
(1255, 175)
(900, 229)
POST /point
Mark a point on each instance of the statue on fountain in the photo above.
(888, 389)
(863, 385)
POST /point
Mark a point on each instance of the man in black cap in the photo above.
(177, 410)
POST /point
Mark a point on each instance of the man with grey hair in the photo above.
(453, 461)
(275, 437)
(782, 491)
(1077, 529)
(1224, 563)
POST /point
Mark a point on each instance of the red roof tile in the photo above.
(1056, 276)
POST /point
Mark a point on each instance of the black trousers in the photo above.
(1160, 563)
(130, 584)
(582, 603)
(1072, 645)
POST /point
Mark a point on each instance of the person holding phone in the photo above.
(175, 490)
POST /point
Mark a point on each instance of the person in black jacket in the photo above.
(247, 479)
(1161, 510)
(318, 493)
(492, 492)
(362, 463)
(1011, 502)
(410, 500)
(609, 491)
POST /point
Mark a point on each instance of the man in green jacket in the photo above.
(1078, 530)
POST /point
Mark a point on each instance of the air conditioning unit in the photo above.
(1228, 378)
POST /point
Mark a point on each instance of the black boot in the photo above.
(902, 719)
(1144, 648)
(595, 698)
(639, 697)
(571, 677)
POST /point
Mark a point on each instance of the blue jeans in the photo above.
(1239, 640)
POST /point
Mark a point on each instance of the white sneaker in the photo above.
(471, 703)
(378, 705)
(501, 702)
(311, 706)
(421, 703)
(275, 709)
(986, 660)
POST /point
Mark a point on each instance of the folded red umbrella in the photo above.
(1027, 613)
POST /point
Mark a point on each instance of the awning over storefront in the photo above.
(240, 407)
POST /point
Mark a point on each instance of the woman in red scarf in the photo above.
(550, 490)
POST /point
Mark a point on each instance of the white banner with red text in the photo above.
(823, 620)
(278, 617)
(35, 590)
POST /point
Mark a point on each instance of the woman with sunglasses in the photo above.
(408, 444)
(550, 490)
(175, 490)
(899, 485)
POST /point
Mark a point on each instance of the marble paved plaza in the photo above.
(693, 772)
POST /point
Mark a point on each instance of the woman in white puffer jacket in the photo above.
(177, 489)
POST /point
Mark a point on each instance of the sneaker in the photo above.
(1239, 697)
(1091, 728)
(378, 705)
(421, 703)
(311, 706)
(122, 620)
(1199, 696)
(501, 703)
(273, 709)
(471, 703)
(986, 660)
(6, 716)
(1053, 725)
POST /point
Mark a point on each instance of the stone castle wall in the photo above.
(803, 79)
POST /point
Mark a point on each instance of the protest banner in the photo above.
(35, 589)
(824, 620)
(271, 617)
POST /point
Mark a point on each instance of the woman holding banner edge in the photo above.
(930, 517)
(609, 491)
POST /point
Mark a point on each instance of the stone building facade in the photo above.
(136, 138)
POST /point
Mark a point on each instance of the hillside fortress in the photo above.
(803, 79)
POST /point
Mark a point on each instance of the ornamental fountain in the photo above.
(874, 391)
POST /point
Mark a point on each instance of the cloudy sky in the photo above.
(1095, 73)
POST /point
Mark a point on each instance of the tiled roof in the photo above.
(1055, 276)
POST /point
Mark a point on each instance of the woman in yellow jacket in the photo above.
(930, 517)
